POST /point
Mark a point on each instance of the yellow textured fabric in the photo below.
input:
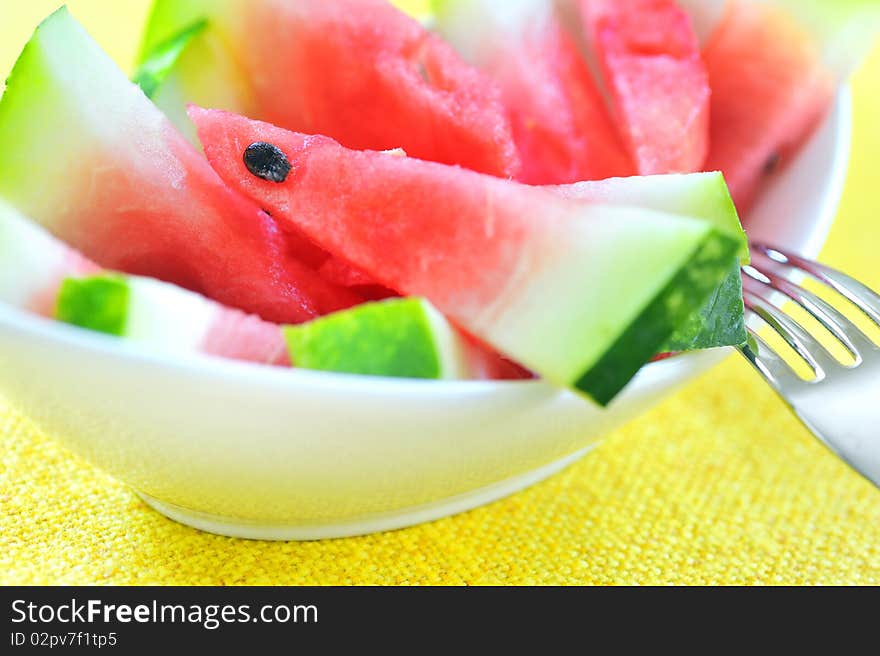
(719, 485)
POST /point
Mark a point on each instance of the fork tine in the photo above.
(772, 367)
(806, 346)
(855, 341)
(840, 409)
(866, 299)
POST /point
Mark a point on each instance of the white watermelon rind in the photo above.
(30, 259)
(699, 195)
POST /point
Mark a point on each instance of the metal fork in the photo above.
(840, 404)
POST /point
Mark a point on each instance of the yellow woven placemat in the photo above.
(719, 485)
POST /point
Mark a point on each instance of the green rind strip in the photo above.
(163, 59)
(725, 210)
(26, 84)
(682, 296)
(388, 338)
(720, 322)
(168, 17)
(97, 303)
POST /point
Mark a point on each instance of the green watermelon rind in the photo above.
(162, 60)
(17, 98)
(684, 294)
(591, 325)
(198, 66)
(99, 303)
(720, 322)
(168, 18)
(403, 338)
(140, 309)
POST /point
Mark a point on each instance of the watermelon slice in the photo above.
(770, 89)
(650, 59)
(361, 71)
(560, 123)
(86, 155)
(43, 275)
(581, 294)
(406, 338)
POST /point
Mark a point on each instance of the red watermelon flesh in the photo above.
(769, 91)
(201, 236)
(371, 77)
(487, 364)
(650, 59)
(343, 273)
(560, 123)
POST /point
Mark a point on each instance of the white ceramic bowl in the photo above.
(257, 452)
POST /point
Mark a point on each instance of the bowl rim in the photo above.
(839, 167)
(255, 373)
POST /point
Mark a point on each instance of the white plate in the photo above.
(257, 452)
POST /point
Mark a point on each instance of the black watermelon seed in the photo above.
(772, 163)
(267, 161)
